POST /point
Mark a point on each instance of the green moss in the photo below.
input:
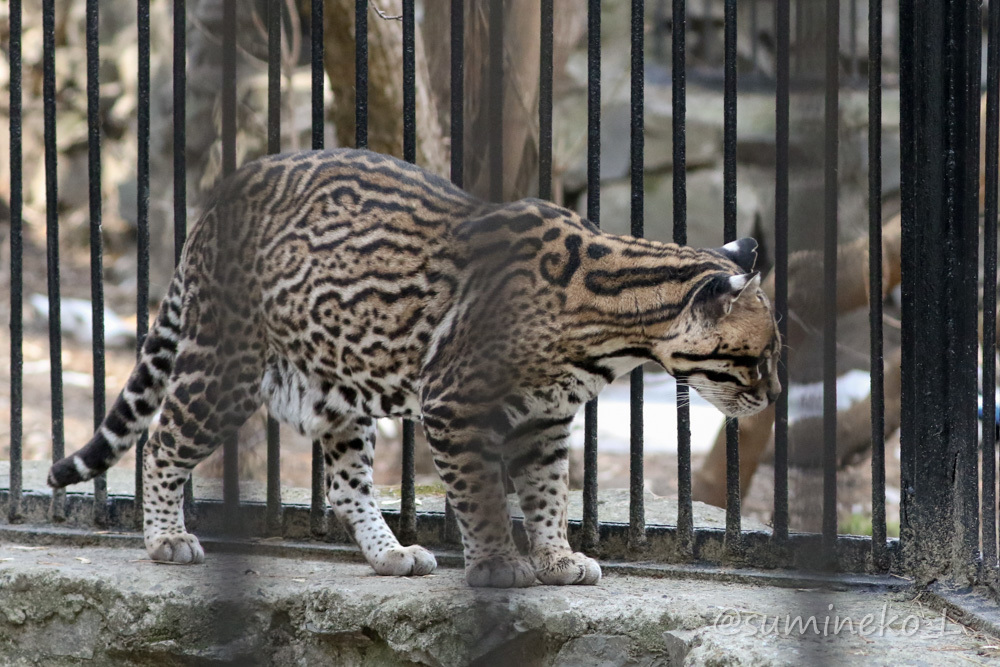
(860, 523)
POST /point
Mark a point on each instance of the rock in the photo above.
(595, 651)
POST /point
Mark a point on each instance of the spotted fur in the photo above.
(340, 286)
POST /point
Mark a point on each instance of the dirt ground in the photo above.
(805, 486)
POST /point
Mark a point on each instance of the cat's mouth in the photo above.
(732, 404)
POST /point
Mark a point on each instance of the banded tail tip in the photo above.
(69, 470)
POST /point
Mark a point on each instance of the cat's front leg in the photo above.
(348, 448)
(467, 460)
(538, 463)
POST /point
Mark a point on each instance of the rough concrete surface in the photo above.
(110, 606)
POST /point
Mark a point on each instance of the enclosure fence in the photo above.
(948, 528)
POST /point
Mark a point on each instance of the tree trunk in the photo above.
(385, 84)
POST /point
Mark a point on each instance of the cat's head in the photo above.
(727, 344)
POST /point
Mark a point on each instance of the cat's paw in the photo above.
(567, 568)
(183, 549)
(500, 572)
(404, 562)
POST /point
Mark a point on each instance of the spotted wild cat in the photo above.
(340, 286)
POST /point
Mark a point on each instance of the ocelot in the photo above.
(340, 286)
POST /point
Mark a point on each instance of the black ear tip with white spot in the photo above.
(742, 252)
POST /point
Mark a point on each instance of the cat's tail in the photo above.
(133, 411)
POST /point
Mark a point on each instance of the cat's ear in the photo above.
(742, 252)
(716, 298)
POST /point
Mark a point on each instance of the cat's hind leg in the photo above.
(200, 412)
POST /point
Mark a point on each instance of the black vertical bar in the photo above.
(317, 503)
(637, 512)
(782, 29)
(939, 59)
(180, 127)
(230, 452)
(16, 269)
(273, 76)
(590, 527)
(450, 533)
(52, 244)
(830, 154)
(361, 73)
(409, 84)
(729, 234)
(142, 212)
(879, 553)
(685, 511)
(180, 197)
(496, 30)
(907, 192)
(408, 496)
(316, 51)
(545, 103)
(96, 248)
(989, 499)
(273, 513)
(457, 91)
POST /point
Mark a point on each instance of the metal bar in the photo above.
(180, 127)
(495, 96)
(590, 527)
(408, 496)
(450, 532)
(967, 546)
(830, 190)
(96, 247)
(180, 199)
(272, 518)
(992, 147)
(545, 103)
(879, 553)
(907, 153)
(636, 511)
(408, 491)
(142, 212)
(779, 520)
(273, 76)
(316, 52)
(317, 502)
(273, 514)
(939, 66)
(457, 91)
(729, 234)
(361, 73)
(685, 511)
(409, 84)
(230, 451)
(16, 269)
(52, 244)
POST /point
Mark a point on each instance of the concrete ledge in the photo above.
(68, 605)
